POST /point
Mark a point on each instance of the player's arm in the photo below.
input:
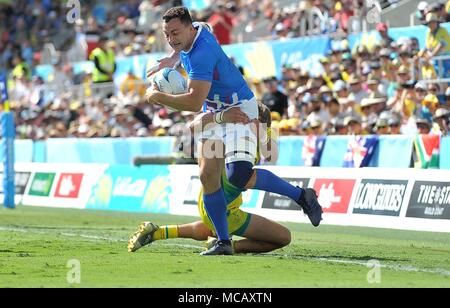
(273, 150)
(232, 115)
(200, 80)
(191, 101)
(170, 61)
(269, 145)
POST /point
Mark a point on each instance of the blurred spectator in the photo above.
(403, 75)
(381, 127)
(394, 125)
(410, 100)
(423, 126)
(137, 110)
(149, 13)
(273, 98)
(356, 91)
(337, 127)
(327, 73)
(21, 70)
(222, 24)
(60, 79)
(317, 113)
(421, 10)
(132, 85)
(386, 40)
(437, 41)
(442, 118)
(353, 125)
(428, 71)
(78, 45)
(447, 98)
(316, 127)
(368, 111)
(344, 11)
(421, 90)
(428, 106)
(433, 88)
(438, 8)
(333, 108)
(104, 64)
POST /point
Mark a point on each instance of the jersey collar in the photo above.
(199, 29)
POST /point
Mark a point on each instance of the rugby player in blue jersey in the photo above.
(216, 85)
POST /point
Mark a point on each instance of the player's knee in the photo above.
(284, 239)
(239, 173)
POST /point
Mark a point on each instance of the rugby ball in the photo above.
(170, 81)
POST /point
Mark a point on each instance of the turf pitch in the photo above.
(36, 245)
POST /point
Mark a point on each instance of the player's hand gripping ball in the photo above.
(170, 81)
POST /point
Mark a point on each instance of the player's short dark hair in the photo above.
(180, 12)
(264, 114)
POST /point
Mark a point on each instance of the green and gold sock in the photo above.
(166, 232)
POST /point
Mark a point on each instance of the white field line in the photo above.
(89, 236)
(403, 268)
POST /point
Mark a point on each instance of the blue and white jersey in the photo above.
(207, 61)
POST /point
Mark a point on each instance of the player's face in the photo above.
(177, 34)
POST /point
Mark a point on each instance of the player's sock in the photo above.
(216, 207)
(165, 232)
(267, 181)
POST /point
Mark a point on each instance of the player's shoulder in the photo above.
(207, 41)
(205, 47)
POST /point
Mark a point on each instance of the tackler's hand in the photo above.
(151, 93)
(235, 115)
(161, 63)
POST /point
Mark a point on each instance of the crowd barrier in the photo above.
(260, 59)
(391, 152)
(371, 197)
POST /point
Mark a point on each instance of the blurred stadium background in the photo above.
(350, 84)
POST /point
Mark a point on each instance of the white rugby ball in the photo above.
(170, 81)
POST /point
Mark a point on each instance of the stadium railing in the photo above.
(326, 26)
(443, 76)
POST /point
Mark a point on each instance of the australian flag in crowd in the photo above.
(360, 151)
(312, 150)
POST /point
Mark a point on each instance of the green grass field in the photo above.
(37, 243)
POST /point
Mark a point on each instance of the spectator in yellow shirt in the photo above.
(408, 99)
(428, 71)
(437, 39)
(437, 42)
(132, 84)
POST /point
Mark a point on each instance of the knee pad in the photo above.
(239, 173)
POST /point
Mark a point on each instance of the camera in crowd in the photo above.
(409, 85)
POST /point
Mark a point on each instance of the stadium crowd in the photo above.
(366, 90)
